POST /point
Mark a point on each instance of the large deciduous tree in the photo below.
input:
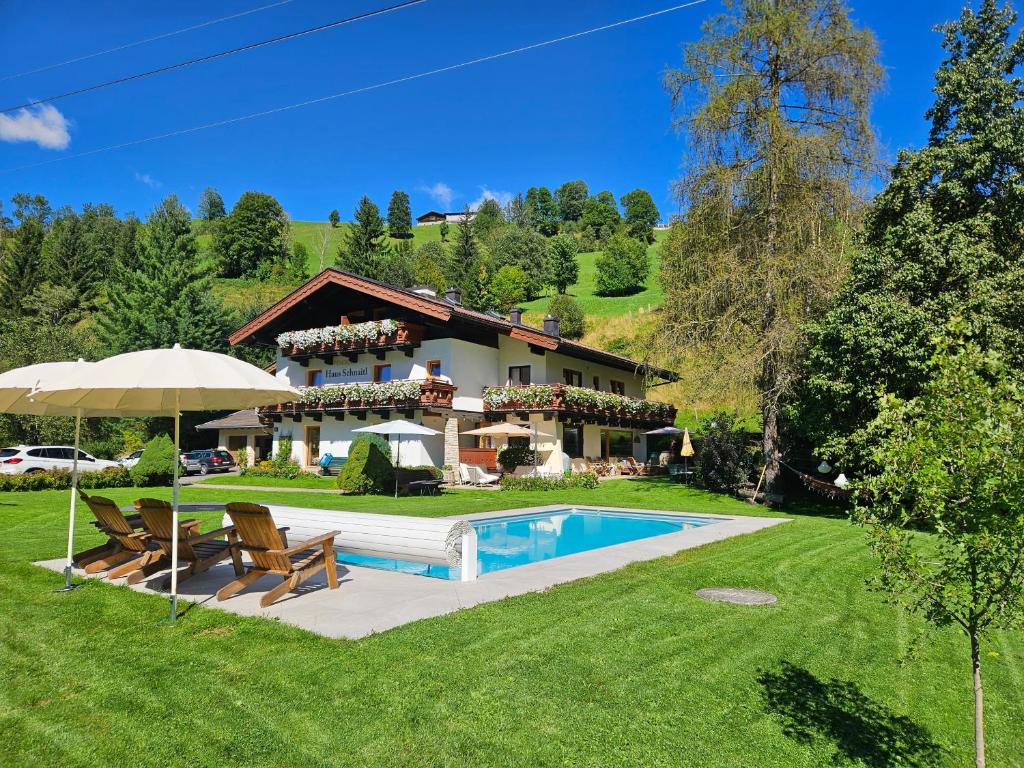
(641, 214)
(364, 247)
(601, 217)
(774, 102)
(211, 206)
(542, 209)
(399, 215)
(166, 298)
(563, 265)
(254, 239)
(943, 238)
(570, 199)
(526, 249)
(944, 504)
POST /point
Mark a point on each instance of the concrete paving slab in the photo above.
(370, 600)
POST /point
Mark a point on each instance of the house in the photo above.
(436, 217)
(363, 352)
(242, 429)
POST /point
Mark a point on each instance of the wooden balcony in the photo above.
(404, 396)
(576, 405)
(407, 338)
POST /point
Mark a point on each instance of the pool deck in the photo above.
(370, 600)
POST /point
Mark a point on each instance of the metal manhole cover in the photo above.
(737, 596)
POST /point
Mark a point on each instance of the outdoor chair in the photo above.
(526, 470)
(200, 550)
(638, 468)
(579, 466)
(126, 549)
(479, 477)
(267, 545)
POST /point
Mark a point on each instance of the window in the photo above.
(572, 441)
(597, 382)
(382, 372)
(314, 378)
(433, 369)
(615, 443)
(572, 378)
(518, 375)
(617, 387)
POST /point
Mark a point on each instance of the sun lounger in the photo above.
(479, 477)
(126, 549)
(267, 545)
(199, 550)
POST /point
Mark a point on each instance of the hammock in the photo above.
(821, 487)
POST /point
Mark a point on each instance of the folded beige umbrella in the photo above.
(165, 382)
(17, 387)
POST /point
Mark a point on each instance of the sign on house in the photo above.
(346, 374)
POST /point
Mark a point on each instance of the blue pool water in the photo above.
(507, 542)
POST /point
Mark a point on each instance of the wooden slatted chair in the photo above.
(199, 550)
(267, 545)
(126, 549)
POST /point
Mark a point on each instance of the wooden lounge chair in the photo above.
(126, 549)
(267, 545)
(199, 550)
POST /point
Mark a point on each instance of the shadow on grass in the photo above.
(861, 729)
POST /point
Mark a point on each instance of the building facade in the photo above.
(363, 352)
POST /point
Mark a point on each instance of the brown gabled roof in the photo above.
(443, 310)
(244, 419)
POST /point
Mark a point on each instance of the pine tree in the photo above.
(70, 261)
(20, 271)
(465, 263)
(166, 299)
(399, 215)
(364, 247)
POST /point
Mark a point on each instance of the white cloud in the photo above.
(440, 192)
(503, 198)
(149, 181)
(43, 125)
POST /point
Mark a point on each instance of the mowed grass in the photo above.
(624, 669)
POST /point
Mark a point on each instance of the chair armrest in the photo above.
(211, 535)
(310, 544)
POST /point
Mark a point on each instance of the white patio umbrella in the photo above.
(399, 427)
(510, 429)
(16, 388)
(165, 382)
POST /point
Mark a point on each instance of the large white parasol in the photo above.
(398, 427)
(165, 382)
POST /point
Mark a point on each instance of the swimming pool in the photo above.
(507, 542)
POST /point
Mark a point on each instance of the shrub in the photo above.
(725, 459)
(572, 323)
(622, 268)
(60, 479)
(368, 469)
(243, 457)
(289, 470)
(515, 456)
(156, 465)
(438, 474)
(557, 483)
(283, 457)
(379, 440)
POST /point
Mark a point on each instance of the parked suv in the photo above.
(209, 461)
(36, 458)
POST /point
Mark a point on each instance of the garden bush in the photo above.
(438, 474)
(288, 470)
(156, 465)
(572, 322)
(726, 458)
(556, 483)
(516, 456)
(368, 469)
(622, 267)
(379, 440)
(60, 479)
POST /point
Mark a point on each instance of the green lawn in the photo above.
(308, 233)
(628, 668)
(302, 481)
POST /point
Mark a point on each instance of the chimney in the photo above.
(551, 325)
(515, 315)
(453, 296)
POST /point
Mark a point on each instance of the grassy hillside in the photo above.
(309, 233)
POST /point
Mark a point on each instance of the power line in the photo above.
(363, 89)
(144, 41)
(218, 55)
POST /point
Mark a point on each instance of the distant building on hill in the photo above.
(436, 217)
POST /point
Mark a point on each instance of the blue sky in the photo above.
(591, 108)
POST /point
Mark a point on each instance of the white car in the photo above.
(131, 459)
(36, 458)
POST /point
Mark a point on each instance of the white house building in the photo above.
(363, 352)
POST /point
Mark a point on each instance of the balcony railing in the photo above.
(350, 340)
(587, 405)
(403, 395)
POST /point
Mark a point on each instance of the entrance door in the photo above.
(312, 445)
(235, 444)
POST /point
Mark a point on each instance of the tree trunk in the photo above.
(770, 442)
(979, 707)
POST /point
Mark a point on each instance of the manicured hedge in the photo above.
(59, 479)
(557, 483)
(156, 464)
(368, 469)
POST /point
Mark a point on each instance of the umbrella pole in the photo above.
(398, 462)
(174, 515)
(68, 586)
